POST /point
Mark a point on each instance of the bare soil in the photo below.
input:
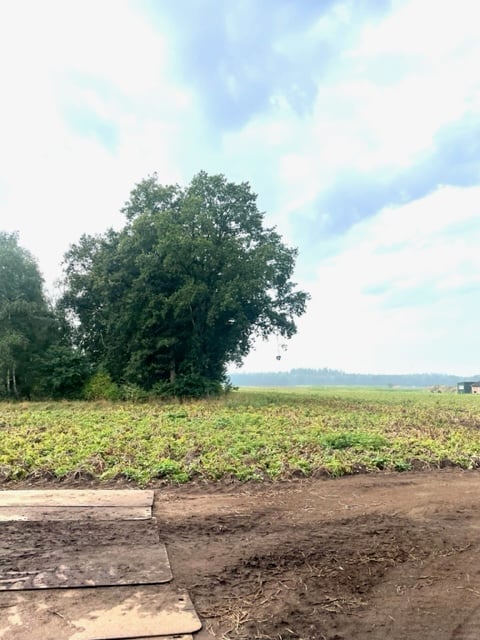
(365, 557)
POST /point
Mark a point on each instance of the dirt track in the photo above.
(379, 556)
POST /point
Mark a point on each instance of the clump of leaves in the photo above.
(171, 470)
(101, 387)
(344, 440)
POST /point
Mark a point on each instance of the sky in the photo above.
(356, 122)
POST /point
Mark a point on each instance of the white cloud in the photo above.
(60, 184)
(361, 123)
(111, 60)
(427, 28)
(418, 320)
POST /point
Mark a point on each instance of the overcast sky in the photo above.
(357, 123)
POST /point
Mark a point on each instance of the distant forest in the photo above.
(334, 377)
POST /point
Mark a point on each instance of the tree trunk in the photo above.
(14, 381)
(8, 382)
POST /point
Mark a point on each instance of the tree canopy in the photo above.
(184, 288)
(37, 355)
(25, 318)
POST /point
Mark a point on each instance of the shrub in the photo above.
(133, 393)
(101, 387)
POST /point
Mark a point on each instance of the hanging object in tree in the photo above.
(280, 347)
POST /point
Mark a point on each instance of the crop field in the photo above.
(247, 435)
(368, 555)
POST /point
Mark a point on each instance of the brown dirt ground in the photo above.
(364, 557)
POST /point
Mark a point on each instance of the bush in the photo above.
(133, 393)
(64, 373)
(101, 387)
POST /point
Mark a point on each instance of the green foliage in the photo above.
(101, 387)
(65, 371)
(37, 356)
(170, 469)
(354, 439)
(402, 465)
(243, 435)
(187, 386)
(133, 393)
(26, 322)
(183, 288)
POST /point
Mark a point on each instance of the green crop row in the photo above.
(247, 435)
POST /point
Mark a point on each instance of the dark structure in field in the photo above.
(468, 387)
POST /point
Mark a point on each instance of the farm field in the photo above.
(295, 553)
(247, 435)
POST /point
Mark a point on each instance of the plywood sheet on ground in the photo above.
(96, 614)
(84, 567)
(19, 513)
(77, 498)
(58, 535)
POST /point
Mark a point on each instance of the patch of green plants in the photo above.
(250, 435)
(361, 440)
(101, 387)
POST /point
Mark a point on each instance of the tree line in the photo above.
(335, 377)
(161, 306)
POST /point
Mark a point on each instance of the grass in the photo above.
(248, 435)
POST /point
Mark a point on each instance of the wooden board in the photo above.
(44, 536)
(97, 614)
(84, 567)
(77, 498)
(25, 513)
(76, 513)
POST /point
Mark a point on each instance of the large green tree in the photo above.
(25, 319)
(184, 288)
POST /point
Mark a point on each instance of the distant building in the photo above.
(468, 387)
